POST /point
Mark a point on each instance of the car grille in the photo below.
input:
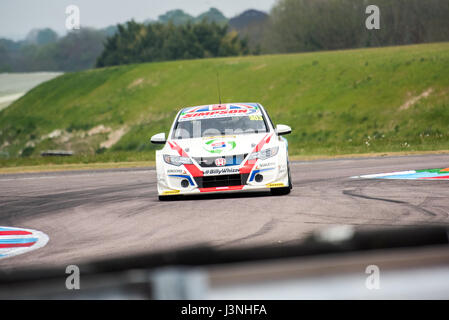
(221, 181)
(209, 162)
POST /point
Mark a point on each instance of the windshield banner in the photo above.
(219, 111)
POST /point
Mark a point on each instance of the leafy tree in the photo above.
(135, 42)
(177, 17)
(42, 36)
(78, 50)
(213, 15)
(5, 65)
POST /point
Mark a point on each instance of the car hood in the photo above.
(221, 145)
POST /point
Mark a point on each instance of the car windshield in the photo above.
(220, 126)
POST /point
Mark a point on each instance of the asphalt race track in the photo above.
(99, 214)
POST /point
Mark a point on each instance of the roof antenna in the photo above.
(218, 87)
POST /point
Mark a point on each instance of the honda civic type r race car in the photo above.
(222, 148)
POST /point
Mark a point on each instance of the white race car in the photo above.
(222, 148)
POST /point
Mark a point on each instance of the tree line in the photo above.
(136, 42)
(291, 26)
(43, 50)
(311, 25)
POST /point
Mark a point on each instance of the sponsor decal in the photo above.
(217, 146)
(218, 137)
(220, 171)
(428, 174)
(220, 162)
(219, 111)
(176, 171)
(275, 185)
(15, 241)
(282, 169)
(268, 164)
(169, 192)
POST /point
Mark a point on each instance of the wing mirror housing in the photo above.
(282, 129)
(159, 138)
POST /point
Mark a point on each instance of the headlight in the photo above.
(176, 160)
(264, 154)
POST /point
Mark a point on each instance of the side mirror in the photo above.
(158, 138)
(282, 129)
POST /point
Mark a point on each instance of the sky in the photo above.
(18, 17)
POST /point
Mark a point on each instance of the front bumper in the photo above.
(178, 181)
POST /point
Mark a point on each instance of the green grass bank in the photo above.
(393, 99)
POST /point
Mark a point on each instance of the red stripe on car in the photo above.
(249, 164)
(193, 169)
(217, 189)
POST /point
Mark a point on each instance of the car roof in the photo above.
(227, 105)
